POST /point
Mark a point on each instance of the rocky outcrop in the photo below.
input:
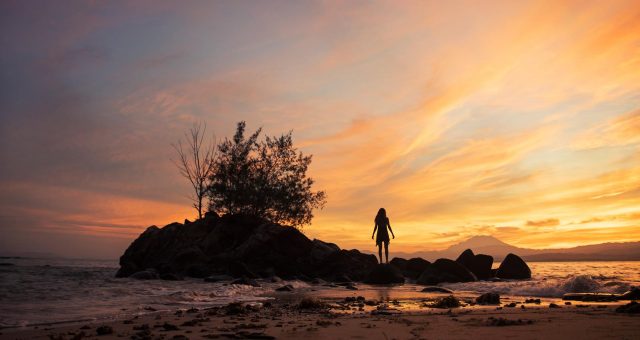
(239, 246)
(411, 268)
(384, 274)
(479, 265)
(513, 267)
(445, 270)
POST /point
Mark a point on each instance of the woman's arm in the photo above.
(389, 225)
(375, 226)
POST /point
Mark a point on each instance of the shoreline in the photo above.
(294, 315)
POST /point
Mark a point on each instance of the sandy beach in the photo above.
(299, 316)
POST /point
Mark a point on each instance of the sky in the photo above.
(517, 119)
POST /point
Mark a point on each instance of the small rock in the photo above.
(488, 299)
(553, 305)
(631, 308)
(285, 288)
(104, 330)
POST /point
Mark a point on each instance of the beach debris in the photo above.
(436, 289)
(513, 304)
(324, 323)
(536, 301)
(235, 308)
(446, 302)
(169, 327)
(488, 299)
(285, 288)
(104, 330)
(499, 322)
(632, 308)
(310, 304)
(553, 305)
(567, 303)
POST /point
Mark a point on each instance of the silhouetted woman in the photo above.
(381, 224)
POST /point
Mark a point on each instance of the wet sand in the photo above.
(296, 316)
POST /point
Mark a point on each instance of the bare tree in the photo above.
(196, 162)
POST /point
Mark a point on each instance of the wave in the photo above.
(546, 288)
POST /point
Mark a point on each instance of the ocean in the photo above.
(39, 291)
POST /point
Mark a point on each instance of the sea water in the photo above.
(37, 291)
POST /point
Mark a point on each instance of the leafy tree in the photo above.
(265, 178)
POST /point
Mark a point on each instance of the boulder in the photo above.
(170, 277)
(445, 270)
(479, 265)
(466, 258)
(384, 274)
(411, 268)
(415, 267)
(488, 299)
(632, 307)
(399, 263)
(149, 274)
(513, 267)
(239, 269)
(242, 246)
(633, 294)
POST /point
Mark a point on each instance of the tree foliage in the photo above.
(265, 178)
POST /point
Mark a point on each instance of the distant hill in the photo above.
(628, 251)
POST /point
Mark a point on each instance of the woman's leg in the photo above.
(386, 252)
(380, 251)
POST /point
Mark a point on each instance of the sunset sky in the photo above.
(515, 119)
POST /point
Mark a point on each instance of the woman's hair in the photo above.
(381, 216)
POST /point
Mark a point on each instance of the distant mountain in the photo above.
(629, 251)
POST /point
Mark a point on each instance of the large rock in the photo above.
(399, 263)
(513, 267)
(240, 246)
(479, 265)
(445, 270)
(384, 274)
(411, 268)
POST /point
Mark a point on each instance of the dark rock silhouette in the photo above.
(384, 274)
(479, 265)
(633, 294)
(240, 246)
(488, 299)
(445, 270)
(513, 267)
(411, 268)
(149, 274)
